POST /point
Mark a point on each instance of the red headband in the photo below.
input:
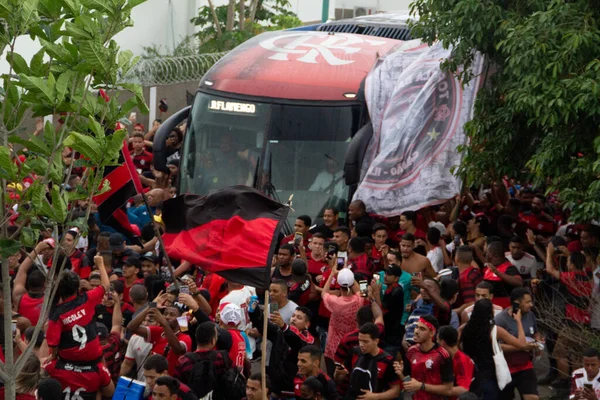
(429, 325)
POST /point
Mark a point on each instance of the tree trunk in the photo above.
(215, 18)
(230, 15)
(253, 9)
(242, 15)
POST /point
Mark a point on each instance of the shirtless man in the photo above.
(413, 262)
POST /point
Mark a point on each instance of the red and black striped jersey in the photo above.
(79, 380)
(72, 328)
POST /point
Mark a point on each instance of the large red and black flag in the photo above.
(232, 232)
(124, 184)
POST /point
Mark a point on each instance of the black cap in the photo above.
(134, 261)
(149, 256)
(393, 270)
(117, 242)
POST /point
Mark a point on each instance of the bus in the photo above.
(285, 113)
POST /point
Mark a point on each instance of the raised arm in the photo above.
(21, 278)
(550, 267)
(104, 280)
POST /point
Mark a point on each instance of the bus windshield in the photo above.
(280, 149)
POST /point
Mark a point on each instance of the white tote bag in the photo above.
(502, 372)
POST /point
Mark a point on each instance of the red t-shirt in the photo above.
(18, 397)
(127, 289)
(316, 268)
(31, 308)
(323, 311)
(80, 264)
(217, 288)
(578, 293)
(156, 336)
(77, 380)
(433, 367)
(464, 370)
(419, 234)
(377, 258)
(540, 226)
(142, 161)
(71, 327)
(501, 289)
(237, 352)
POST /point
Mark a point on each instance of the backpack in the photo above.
(364, 376)
(204, 382)
(203, 379)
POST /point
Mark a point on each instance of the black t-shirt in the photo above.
(393, 308)
(323, 229)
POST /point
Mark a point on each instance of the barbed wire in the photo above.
(171, 70)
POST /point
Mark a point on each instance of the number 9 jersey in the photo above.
(72, 329)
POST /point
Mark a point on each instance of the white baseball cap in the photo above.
(230, 314)
(345, 278)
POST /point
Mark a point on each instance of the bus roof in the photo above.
(298, 65)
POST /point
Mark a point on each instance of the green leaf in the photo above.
(8, 170)
(18, 63)
(86, 145)
(35, 144)
(96, 128)
(28, 12)
(11, 102)
(39, 85)
(50, 8)
(124, 58)
(76, 32)
(8, 247)
(59, 204)
(100, 5)
(39, 165)
(133, 3)
(57, 51)
(114, 144)
(62, 85)
(72, 5)
(139, 95)
(37, 63)
(97, 55)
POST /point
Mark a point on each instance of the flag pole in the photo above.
(263, 345)
(138, 185)
(160, 241)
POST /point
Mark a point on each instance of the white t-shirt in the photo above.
(137, 350)
(436, 257)
(527, 265)
(238, 297)
(469, 310)
(580, 378)
(287, 311)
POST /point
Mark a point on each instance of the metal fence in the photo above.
(172, 70)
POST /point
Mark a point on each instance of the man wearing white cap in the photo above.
(237, 295)
(343, 309)
(230, 317)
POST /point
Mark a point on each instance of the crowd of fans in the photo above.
(372, 308)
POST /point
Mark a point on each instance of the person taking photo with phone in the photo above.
(519, 360)
(343, 308)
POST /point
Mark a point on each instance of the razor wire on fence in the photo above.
(172, 70)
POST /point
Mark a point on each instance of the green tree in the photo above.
(227, 26)
(538, 116)
(77, 57)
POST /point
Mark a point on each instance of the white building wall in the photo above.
(164, 23)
